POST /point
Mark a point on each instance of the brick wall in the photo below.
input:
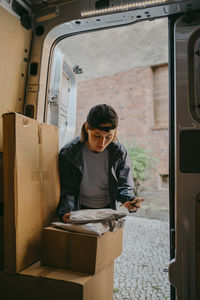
(131, 95)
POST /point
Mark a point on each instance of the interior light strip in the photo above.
(121, 7)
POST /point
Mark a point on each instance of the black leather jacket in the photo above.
(71, 168)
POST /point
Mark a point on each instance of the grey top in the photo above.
(94, 189)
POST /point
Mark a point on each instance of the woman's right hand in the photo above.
(133, 205)
(65, 218)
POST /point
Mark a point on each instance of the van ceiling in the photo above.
(37, 4)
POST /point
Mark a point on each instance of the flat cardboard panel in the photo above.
(27, 168)
(78, 251)
(50, 175)
(39, 282)
(28, 198)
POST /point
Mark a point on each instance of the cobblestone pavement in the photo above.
(139, 271)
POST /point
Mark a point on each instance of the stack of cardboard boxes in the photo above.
(74, 266)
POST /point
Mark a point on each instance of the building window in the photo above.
(161, 96)
(164, 181)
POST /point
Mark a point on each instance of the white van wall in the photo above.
(14, 39)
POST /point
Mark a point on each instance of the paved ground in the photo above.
(139, 271)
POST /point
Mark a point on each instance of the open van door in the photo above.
(184, 270)
(61, 100)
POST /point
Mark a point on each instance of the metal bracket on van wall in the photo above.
(19, 10)
(23, 12)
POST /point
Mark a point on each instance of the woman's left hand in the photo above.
(134, 204)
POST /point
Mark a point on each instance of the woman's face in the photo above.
(98, 140)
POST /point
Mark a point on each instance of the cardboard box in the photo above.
(31, 187)
(78, 251)
(39, 282)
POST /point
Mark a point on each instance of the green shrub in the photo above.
(142, 162)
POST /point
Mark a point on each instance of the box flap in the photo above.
(54, 273)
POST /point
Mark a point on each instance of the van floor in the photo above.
(141, 270)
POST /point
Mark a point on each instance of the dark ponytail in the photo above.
(84, 135)
(98, 115)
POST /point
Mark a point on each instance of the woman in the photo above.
(95, 170)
